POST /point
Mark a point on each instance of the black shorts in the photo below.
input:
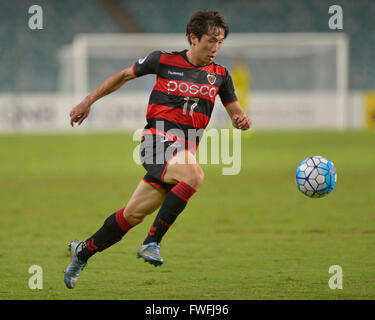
(155, 153)
(165, 187)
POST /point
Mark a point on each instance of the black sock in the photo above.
(112, 231)
(174, 203)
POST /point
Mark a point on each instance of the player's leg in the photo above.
(184, 167)
(145, 199)
(183, 171)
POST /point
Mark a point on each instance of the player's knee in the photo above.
(133, 217)
(194, 177)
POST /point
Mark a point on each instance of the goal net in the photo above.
(295, 80)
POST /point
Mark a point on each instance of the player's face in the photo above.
(209, 45)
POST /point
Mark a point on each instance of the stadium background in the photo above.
(33, 54)
(32, 59)
(285, 252)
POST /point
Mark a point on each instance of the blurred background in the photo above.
(290, 69)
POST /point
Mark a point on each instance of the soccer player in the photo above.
(181, 102)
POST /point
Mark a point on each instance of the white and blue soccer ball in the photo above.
(316, 176)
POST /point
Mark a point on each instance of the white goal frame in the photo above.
(83, 42)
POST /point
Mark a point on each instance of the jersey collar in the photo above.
(183, 53)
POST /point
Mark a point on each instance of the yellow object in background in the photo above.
(241, 77)
(370, 109)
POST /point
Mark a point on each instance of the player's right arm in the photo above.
(147, 65)
(111, 84)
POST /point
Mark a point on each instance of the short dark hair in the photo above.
(201, 21)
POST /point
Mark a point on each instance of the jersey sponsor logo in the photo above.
(140, 61)
(193, 89)
(211, 78)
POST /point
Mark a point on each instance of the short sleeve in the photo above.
(147, 65)
(226, 90)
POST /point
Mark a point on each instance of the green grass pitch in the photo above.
(248, 236)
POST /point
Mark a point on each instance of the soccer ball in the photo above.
(316, 176)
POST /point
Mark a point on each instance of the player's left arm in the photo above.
(239, 118)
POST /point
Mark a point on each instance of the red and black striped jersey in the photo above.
(184, 94)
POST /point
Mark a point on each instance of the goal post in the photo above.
(298, 80)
